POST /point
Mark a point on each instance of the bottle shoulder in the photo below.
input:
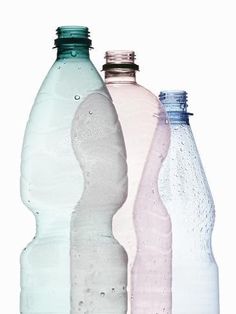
(72, 74)
(134, 97)
(183, 166)
(131, 88)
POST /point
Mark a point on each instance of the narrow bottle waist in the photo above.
(53, 225)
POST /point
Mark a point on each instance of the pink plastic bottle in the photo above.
(144, 230)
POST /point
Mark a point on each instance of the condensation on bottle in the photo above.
(185, 192)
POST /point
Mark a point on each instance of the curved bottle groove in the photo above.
(43, 273)
(98, 261)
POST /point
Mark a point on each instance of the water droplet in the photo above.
(102, 294)
(113, 289)
(58, 68)
(88, 290)
(77, 97)
(73, 53)
(182, 142)
(81, 303)
(90, 112)
(28, 201)
(37, 213)
(123, 287)
(24, 248)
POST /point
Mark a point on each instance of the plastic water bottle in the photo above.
(185, 192)
(51, 178)
(137, 109)
(98, 261)
(152, 270)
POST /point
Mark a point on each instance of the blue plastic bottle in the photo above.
(185, 192)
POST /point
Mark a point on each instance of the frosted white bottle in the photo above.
(98, 261)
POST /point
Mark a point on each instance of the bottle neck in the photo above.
(72, 42)
(120, 67)
(120, 76)
(72, 52)
(175, 104)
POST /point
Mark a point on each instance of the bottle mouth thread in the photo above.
(120, 59)
(174, 97)
(175, 104)
(174, 100)
(71, 35)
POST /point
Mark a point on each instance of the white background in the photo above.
(181, 44)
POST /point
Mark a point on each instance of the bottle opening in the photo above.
(175, 103)
(174, 100)
(73, 35)
(120, 59)
(174, 97)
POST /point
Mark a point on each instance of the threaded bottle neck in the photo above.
(175, 103)
(120, 66)
(72, 42)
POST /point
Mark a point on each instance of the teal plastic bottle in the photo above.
(51, 178)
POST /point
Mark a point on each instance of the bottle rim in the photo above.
(67, 35)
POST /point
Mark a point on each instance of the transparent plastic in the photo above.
(185, 192)
(51, 179)
(151, 272)
(138, 109)
(98, 261)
